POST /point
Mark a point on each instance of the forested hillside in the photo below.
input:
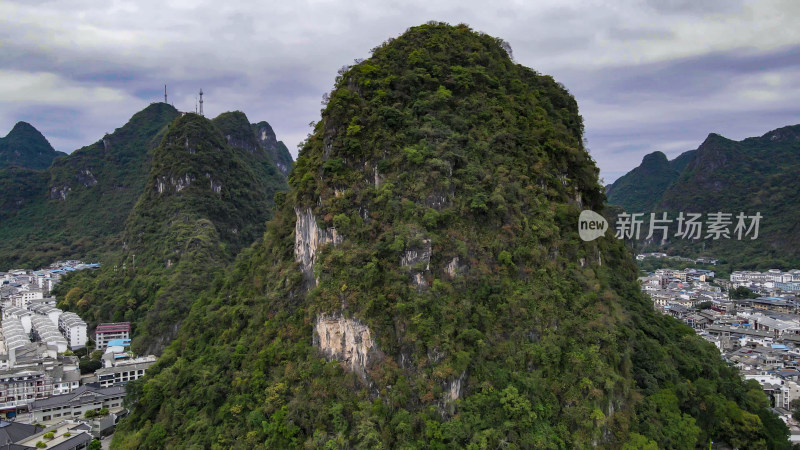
(422, 285)
(204, 200)
(276, 149)
(26, 147)
(77, 208)
(755, 175)
(641, 188)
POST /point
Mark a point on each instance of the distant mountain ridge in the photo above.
(208, 195)
(26, 147)
(78, 207)
(639, 189)
(756, 174)
(277, 149)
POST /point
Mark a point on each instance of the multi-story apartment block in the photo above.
(74, 329)
(106, 332)
(121, 373)
(44, 309)
(18, 388)
(44, 331)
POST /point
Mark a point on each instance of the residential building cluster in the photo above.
(40, 379)
(760, 336)
(771, 282)
(21, 285)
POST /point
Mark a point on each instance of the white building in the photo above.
(65, 380)
(123, 372)
(14, 338)
(74, 329)
(45, 332)
(106, 332)
(50, 312)
(784, 395)
(19, 388)
(23, 315)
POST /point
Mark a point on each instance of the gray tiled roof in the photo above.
(58, 400)
(12, 432)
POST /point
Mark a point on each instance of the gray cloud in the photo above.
(648, 75)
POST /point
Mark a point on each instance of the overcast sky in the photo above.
(648, 74)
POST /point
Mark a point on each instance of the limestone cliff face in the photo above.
(418, 255)
(345, 340)
(86, 177)
(454, 267)
(308, 238)
(418, 258)
(452, 391)
(276, 149)
(163, 183)
(59, 192)
(244, 144)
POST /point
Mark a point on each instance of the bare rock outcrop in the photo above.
(418, 258)
(59, 192)
(163, 183)
(454, 267)
(309, 238)
(86, 177)
(345, 340)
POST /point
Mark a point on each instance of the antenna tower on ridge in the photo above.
(165, 93)
(201, 102)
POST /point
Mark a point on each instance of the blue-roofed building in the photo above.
(119, 343)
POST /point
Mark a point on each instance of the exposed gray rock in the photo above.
(216, 187)
(276, 149)
(453, 388)
(437, 201)
(418, 280)
(418, 255)
(163, 183)
(86, 177)
(241, 143)
(59, 192)
(454, 267)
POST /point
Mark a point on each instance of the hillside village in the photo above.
(51, 369)
(760, 335)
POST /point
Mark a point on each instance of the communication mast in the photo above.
(201, 102)
(165, 93)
